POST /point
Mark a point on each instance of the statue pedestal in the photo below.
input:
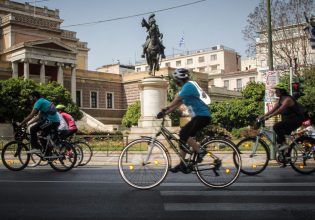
(153, 97)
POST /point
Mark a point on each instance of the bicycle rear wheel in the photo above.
(87, 152)
(302, 155)
(136, 171)
(14, 156)
(63, 157)
(222, 164)
(253, 162)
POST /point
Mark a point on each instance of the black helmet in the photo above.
(36, 94)
(181, 74)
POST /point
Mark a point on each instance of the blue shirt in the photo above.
(190, 97)
(42, 105)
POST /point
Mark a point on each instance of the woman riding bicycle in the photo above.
(291, 117)
(198, 110)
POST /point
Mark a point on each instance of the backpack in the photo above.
(303, 111)
(51, 110)
(202, 94)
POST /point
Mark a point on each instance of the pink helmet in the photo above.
(307, 122)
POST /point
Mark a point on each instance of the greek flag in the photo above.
(181, 41)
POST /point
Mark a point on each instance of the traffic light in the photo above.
(297, 87)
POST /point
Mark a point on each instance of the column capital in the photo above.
(43, 62)
(73, 65)
(60, 64)
(26, 60)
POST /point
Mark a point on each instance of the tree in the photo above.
(308, 100)
(288, 22)
(15, 102)
(237, 113)
(132, 115)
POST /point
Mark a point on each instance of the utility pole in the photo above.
(270, 55)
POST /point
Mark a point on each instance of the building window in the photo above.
(79, 98)
(189, 61)
(201, 59)
(226, 84)
(168, 64)
(252, 79)
(202, 69)
(239, 84)
(178, 63)
(213, 57)
(214, 67)
(93, 99)
(109, 100)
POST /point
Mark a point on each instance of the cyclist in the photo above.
(71, 125)
(48, 119)
(199, 111)
(291, 118)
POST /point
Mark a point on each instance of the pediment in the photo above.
(50, 44)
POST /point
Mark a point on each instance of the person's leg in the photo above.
(33, 131)
(285, 127)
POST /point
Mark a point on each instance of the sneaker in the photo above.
(283, 165)
(201, 155)
(178, 167)
(283, 147)
(34, 151)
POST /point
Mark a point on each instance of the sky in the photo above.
(203, 24)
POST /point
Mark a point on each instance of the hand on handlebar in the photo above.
(162, 113)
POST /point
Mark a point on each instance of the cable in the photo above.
(131, 16)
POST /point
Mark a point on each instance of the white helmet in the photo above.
(181, 74)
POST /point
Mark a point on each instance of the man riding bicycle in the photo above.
(198, 110)
(49, 119)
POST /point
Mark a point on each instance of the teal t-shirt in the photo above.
(190, 96)
(43, 105)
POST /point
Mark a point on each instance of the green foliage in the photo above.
(59, 95)
(15, 102)
(213, 131)
(308, 100)
(237, 113)
(132, 115)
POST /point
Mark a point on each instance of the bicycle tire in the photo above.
(87, 152)
(302, 155)
(66, 153)
(137, 174)
(34, 160)
(257, 164)
(221, 166)
(79, 152)
(20, 160)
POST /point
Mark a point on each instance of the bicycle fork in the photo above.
(254, 147)
(151, 146)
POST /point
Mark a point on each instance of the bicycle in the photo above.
(144, 163)
(61, 156)
(256, 154)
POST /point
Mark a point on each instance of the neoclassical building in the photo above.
(34, 46)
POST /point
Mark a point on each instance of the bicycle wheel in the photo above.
(253, 162)
(63, 157)
(35, 160)
(138, 173)
(302, 155)
(14, 156)
(79, 152)
(222, 164)
(87, 152)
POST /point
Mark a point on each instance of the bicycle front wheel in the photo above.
(87, 152)
(143, 166)
(222, 164)
(302, 155)
(255, 155)
(14, 156)
(63, 158)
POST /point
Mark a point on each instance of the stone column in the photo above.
(15, 69)
(60, 73)
(26, 69)
(42, 71)
(153, 97)
(73, 83)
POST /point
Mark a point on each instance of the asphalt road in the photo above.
(100, 193)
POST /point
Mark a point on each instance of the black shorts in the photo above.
(191, 128)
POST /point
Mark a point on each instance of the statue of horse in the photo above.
(153, 55)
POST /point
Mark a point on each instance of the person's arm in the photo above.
(286, 103)
(30, 116)
(268, 114)
(174, 104)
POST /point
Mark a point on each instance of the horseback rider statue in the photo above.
(153, 48)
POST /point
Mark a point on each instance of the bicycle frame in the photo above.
(169, 137)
